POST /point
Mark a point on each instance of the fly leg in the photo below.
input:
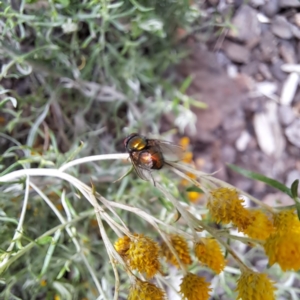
(123, 176)
(152, 178)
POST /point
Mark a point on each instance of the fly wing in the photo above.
(143, 173)
(170, 151)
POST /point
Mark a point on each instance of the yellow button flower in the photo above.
(260, 226)
(143, 290)
(141, 253)
(283, 246)
(181, 247)
(209, 253)
(226, 206)
(255, 286)
(122, 245)
(286, 220)
(284, 249)
(194, 287)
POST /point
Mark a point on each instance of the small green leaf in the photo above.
(298, 209)
(65, 268)
(178, 216)
(226, 251)
(194, 189)
(6, 219)
(73, 153)
(269, 181)
(186, 83)
(294, 188)
(165, 203)
(198, 104)
(44, 240)
(141, 7)
(11, 99)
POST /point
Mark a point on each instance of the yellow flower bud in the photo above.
(141, 253)
(181, 247)
(143, 290)
(252, 285)
(194, 287)
(225, 206)
(209, 253)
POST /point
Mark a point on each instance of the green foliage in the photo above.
(100, 63)
(76, 77)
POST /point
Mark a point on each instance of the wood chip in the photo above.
(263, 18)
(272, 109)
(268, 131)
(264, 133)
(289, 89)
(266, 88)
(289, 68)
(243, 141)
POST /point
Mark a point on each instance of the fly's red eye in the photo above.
(125, 142)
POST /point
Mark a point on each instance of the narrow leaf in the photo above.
(141, 7)
(44, 240)
(194, 189)
(269, 181)
(186, 83)
(294, 188)
(298, 209)
(198, 104)
(178, 216)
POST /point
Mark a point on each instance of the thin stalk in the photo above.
(74, 240)
(83, 160)
(19, 229)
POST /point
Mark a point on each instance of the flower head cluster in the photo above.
(286, 220)
(283, 246)
(141, 253)
(252, 285)
(122, 245)
(181, 247)
(209, 253)
(194, 287)
(261, 225)
(146, 291)
(226, 206)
